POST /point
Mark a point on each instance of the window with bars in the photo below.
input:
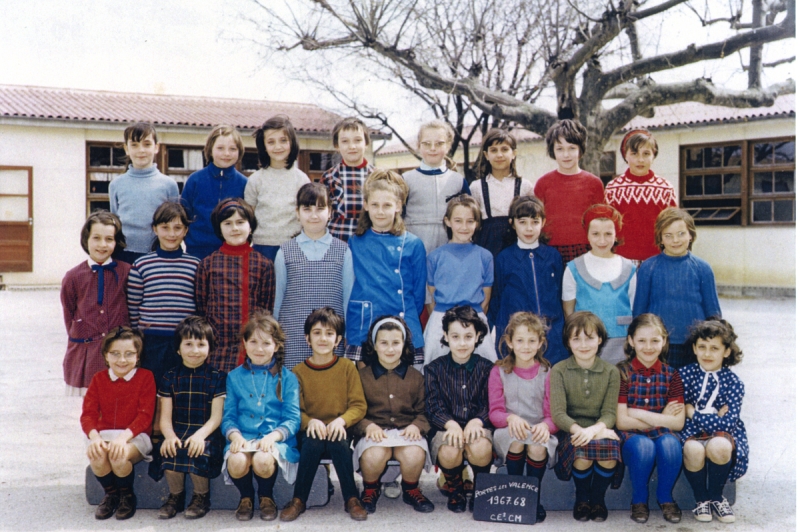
(740, 183)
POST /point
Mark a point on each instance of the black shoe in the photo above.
(127, 505)
(599, 513)
(581, 511)
(175, 503)
(369, 499)
(418, 501)
(456, 502)
(541, 513)
(469, 493)
(107, 506)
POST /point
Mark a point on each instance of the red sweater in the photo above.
(120, 404)
(566, 198)
(639, 199)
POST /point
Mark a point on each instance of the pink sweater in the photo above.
(497, 400)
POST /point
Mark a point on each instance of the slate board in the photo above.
(506, 498)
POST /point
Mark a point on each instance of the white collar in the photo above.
(126, 378)
(91, 262)
(427, 168)
(506, 179)
(523, 245)
(709, 406)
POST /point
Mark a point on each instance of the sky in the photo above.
(201, 48)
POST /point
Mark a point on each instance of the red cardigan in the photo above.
(120, 404)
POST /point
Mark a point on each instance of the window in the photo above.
(315, 163)
(104, 162)
(740, 183)
(179, 162)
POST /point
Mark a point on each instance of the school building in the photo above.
(60, 149)
(733, 170)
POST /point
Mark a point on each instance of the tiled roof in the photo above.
(522, 135)
(188, 111)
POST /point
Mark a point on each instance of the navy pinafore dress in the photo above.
(493, 231)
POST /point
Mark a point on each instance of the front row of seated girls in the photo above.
(563, 415)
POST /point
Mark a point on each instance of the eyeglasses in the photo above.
(127, 355)
(430, 145)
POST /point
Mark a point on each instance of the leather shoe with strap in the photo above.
(293, 510)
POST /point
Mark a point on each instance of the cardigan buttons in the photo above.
(402, 314)
(396, 270)
(400, 291)
(391, 396)
(399, 248)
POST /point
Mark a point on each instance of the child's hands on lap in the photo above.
(267, 443)
(581, 436)
(97, 448)
(237, 442)
(196, 444)
(518, 427)
(411, 433)
(375, 433)
(540, 433)
(170, 446)
(473, 431)
(606, 434)
(453, 435)
(336, 430)
(316, 429)
(118, 447)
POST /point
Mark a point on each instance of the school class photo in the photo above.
(239, 320)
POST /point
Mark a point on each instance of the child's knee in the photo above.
(582, 464)
(263, 464)
(411, 454)
(537, 452)
(608, 464)
(119, 463)
(694, 455)
(719, 450)
(237, 464)
(450, 456)
(517, 447)
(479, 451)
(376, 456)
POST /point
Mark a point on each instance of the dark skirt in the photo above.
(493, 234)
(595, 450)
(208, 464)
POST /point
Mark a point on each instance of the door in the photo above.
(16, 219)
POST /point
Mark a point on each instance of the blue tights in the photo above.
(640, 453)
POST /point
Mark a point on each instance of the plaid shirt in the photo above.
(344, 187)
(650, 389)
(192, 391)
(219, 293)
(457, 392)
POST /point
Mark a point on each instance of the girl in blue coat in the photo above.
(527, 277)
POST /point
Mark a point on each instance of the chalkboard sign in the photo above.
(506, 498)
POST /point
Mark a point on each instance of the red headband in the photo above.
(622, 147)
(602, 211)
(230, 203)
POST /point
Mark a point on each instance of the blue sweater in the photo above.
(203, 191)
(134, 197)
(529, 280)
(680, 290)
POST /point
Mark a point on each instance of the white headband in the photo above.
(384, 321)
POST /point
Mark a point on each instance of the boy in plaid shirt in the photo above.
(344, 181)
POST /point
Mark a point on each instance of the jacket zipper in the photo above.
(535, 285)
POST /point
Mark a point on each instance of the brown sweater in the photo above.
(331, 391)
(393, 401)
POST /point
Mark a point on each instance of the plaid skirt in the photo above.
(208, 464)
(596, 450)
(704, 437)
(572, 251)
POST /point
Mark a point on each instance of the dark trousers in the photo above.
(312, 451)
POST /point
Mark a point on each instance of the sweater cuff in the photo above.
(284, 433)
(232, 431)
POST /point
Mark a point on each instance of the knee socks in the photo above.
(515, 463)
(126, 483)
(453, 477)
(717, 476)
(535, 467)
(266, 484)
(481, 469)
(600, 482)
(245, 485)
(583, 483)
(109, 483)
(697, 480)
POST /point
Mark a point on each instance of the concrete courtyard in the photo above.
(42, 459)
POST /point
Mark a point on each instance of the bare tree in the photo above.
(501, 57)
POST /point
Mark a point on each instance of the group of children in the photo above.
(517, 339)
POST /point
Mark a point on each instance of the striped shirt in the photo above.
(161, 291)
(344, 187)
(457, 392)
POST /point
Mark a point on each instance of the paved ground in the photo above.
(42, 459)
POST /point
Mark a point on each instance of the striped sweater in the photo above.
(161, 291)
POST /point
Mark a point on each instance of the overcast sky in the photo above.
(186, 47)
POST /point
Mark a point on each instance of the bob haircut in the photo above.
(368, 352)
(225, 210)
(525, 207)
(637, 139)
(223, 131)
(495, 136)
(279, 122)
(462, 200)
(466, 316)
(350, 124)
(717, 328)
(196, 328)
(643, 320)
(535, 325)
(571, 131)
(165, 213)
(264, 321)
(313, 195)
(327, 317)
(105, 218)
(123, 333)
(438, 124)
(140, 131)
(388, 181)
(668, 217)
(584, 321)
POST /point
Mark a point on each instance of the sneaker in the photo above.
(599, 513)
(269, 512)
(418, 501)
(127, 505)
(369, 499)
(581, 511)
(671, 512)
(541, 513)
(456, 502)
(244, 512)
(107, 506)
(702, 511)
(175, 503)
(640, 512)
(200, 505)
(392, 489)
(722, 510)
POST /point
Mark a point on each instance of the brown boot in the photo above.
(293, 510)
(354, 508)
(200, 505)
(107, 506)
(175, 503)
(267, 508)
(127, 505)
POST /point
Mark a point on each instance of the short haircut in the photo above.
(279, 122)
(350, 124)
(668, 217)
(327, 317)
(103, 217)
(196, 328)
(263, 321)
(466, 316)
(525, 207)
(123, 333)
(713, 328)
(165, 213)
(495, 136)
(223, 131)
(225, 210)
(537, 326)
(388, 181)
(643, 320)
(368, 353)
(634, 141)
(571, 131)
(140, 131)
(462, 200)
(441, 125)
(313, 194)
(583, 321)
